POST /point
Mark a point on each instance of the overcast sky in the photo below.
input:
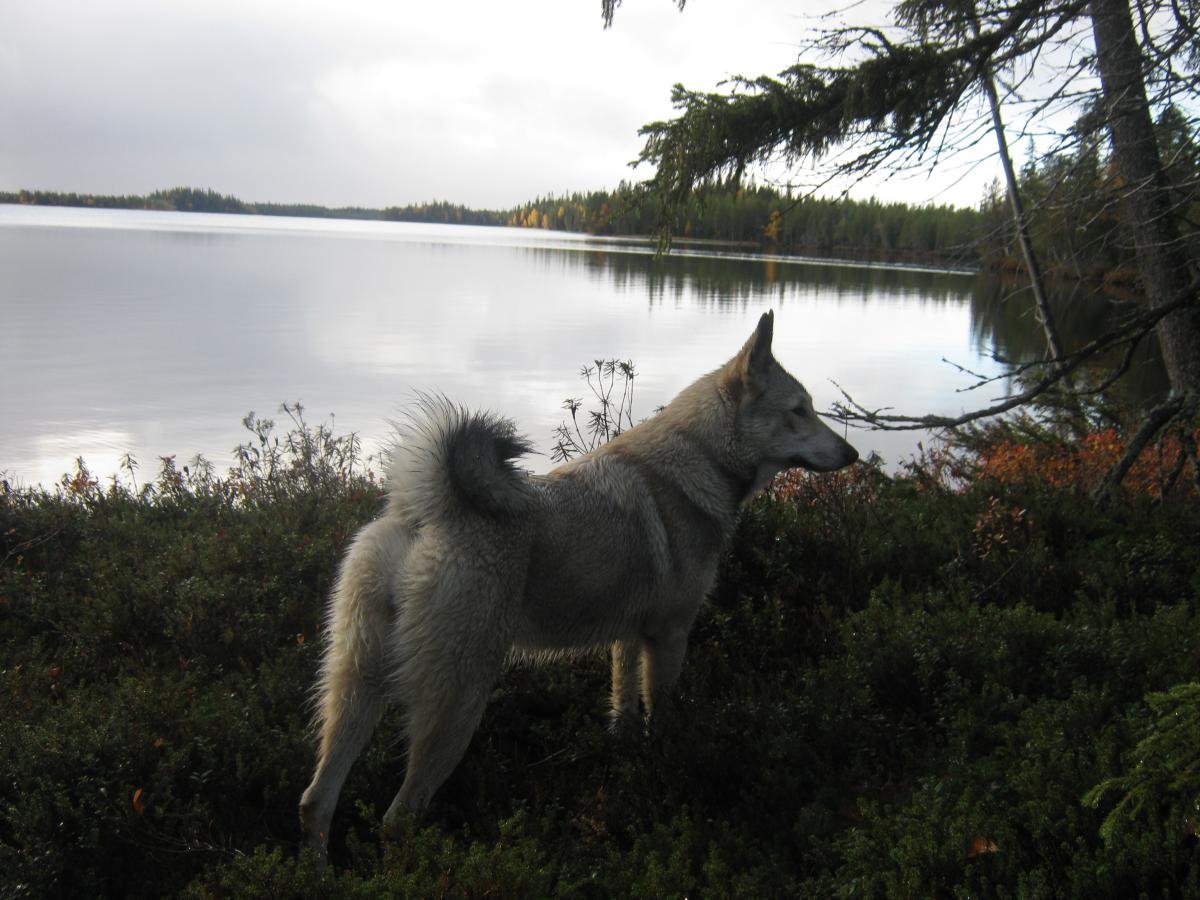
(370, 102)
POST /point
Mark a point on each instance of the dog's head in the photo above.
(776, 426)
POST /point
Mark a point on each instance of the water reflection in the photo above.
(713, 278)
(1003, 317)
(155, 333)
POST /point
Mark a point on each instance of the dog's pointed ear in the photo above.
(754, 359)
(760, 351)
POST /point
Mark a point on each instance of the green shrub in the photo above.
(914, 686)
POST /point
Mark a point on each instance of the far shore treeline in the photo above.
(750, 215)
(1072, 198)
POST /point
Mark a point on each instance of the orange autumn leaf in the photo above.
(138, 806)
(981, 846)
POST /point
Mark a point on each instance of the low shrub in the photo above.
(944, 683)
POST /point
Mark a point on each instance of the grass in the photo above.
(953, 682)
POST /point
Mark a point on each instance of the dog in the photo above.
(474, 561)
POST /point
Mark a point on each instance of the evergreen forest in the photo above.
(754, 217)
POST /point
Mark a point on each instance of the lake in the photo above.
(153, 333)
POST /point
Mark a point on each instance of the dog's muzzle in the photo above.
(826, 464)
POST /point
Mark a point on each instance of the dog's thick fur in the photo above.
(474, 560)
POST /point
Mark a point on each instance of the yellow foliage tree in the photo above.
(771, 230)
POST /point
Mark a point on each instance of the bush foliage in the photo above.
(952, 682)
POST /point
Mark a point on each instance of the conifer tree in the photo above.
(904, 99)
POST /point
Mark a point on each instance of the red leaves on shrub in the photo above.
(997, 529)
(799, 486)
(1082, 466)
(81, 483)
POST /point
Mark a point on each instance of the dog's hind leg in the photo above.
(453, 640)
(352, 694)
(350, 718)
(624, 696)
(438, 739)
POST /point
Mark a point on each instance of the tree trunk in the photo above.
(1162, 261)
(1036, 281)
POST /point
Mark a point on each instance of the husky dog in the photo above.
(474, 561)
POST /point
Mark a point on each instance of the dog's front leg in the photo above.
(662, 661)
(624, 698)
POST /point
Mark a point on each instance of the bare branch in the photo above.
(853, 413)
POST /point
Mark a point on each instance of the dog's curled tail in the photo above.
(451, 461)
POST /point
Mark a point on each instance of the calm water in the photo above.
(154, 333)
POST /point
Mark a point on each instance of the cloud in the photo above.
(369, 102)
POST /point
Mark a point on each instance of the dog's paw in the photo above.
(317, 850)
(399, 824)
(312, 837)
(626, 724)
